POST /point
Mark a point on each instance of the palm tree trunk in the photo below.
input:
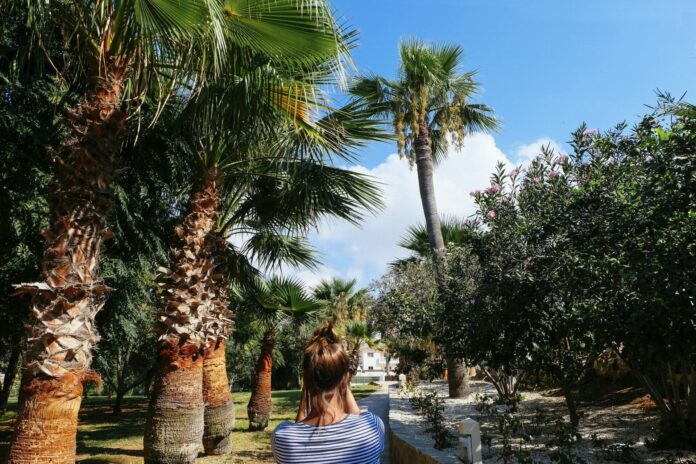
(354, 361)
(424, 165)
(219, 407)
(174, 424)
(64, 304)
(187, 323)
(10, 374)
(457, 378)
(260, 405)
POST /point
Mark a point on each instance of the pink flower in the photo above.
(553, 174)
(513, 172)
(590, 131)
(560, 159)
(495, 188)
(536, 180)
(490, 214)
(475, 193)
(504, 201)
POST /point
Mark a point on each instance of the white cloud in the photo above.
(365, 252)
(525, 153)
(311, 278)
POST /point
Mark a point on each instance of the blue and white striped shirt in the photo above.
(356, 439)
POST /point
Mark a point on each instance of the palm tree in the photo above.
(358, 333)
(115, 55)
(343, 300)
(429, 107)
(455, 231)
(273, 303)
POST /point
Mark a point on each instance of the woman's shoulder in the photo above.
(365, 418)
(369, 417)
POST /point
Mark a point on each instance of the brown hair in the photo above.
(324, 367)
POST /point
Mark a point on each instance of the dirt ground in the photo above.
(618, 424)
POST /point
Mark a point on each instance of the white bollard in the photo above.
(402, 380)
(470, 441)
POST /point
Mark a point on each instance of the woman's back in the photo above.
(356, 439)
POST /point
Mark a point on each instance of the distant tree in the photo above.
(274, 303)
(406, 311)
(343, 299)
(27, 125)
(359, 333)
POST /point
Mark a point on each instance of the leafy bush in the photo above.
(431, 406)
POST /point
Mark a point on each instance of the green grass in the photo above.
(102, 438)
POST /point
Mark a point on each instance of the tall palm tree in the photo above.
(273, 303)
(115, 55)
(429, 107)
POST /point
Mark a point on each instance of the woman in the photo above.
(329, 429)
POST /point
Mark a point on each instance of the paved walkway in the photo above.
(378, 404)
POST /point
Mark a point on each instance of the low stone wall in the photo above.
(409, 443)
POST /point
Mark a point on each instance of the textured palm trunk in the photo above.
(174, 425)
(61, 333)
(260, 405)
(219, 407)
(354, 361)
(191, 318)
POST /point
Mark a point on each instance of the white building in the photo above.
(373, 362)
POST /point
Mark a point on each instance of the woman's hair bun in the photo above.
(326, 335)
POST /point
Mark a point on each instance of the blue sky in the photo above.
(545, 66)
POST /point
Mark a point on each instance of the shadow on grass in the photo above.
(115, 451)
(256, 455)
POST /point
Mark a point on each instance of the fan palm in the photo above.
(455, 231)
(273, 303)
(343, 300)
(356, 334)
(429, 107)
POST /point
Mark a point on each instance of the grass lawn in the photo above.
(101, 438)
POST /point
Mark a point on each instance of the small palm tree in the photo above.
(455, 231)
(273, 303)
(356, 334)
(343, 300)
(429, 108)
